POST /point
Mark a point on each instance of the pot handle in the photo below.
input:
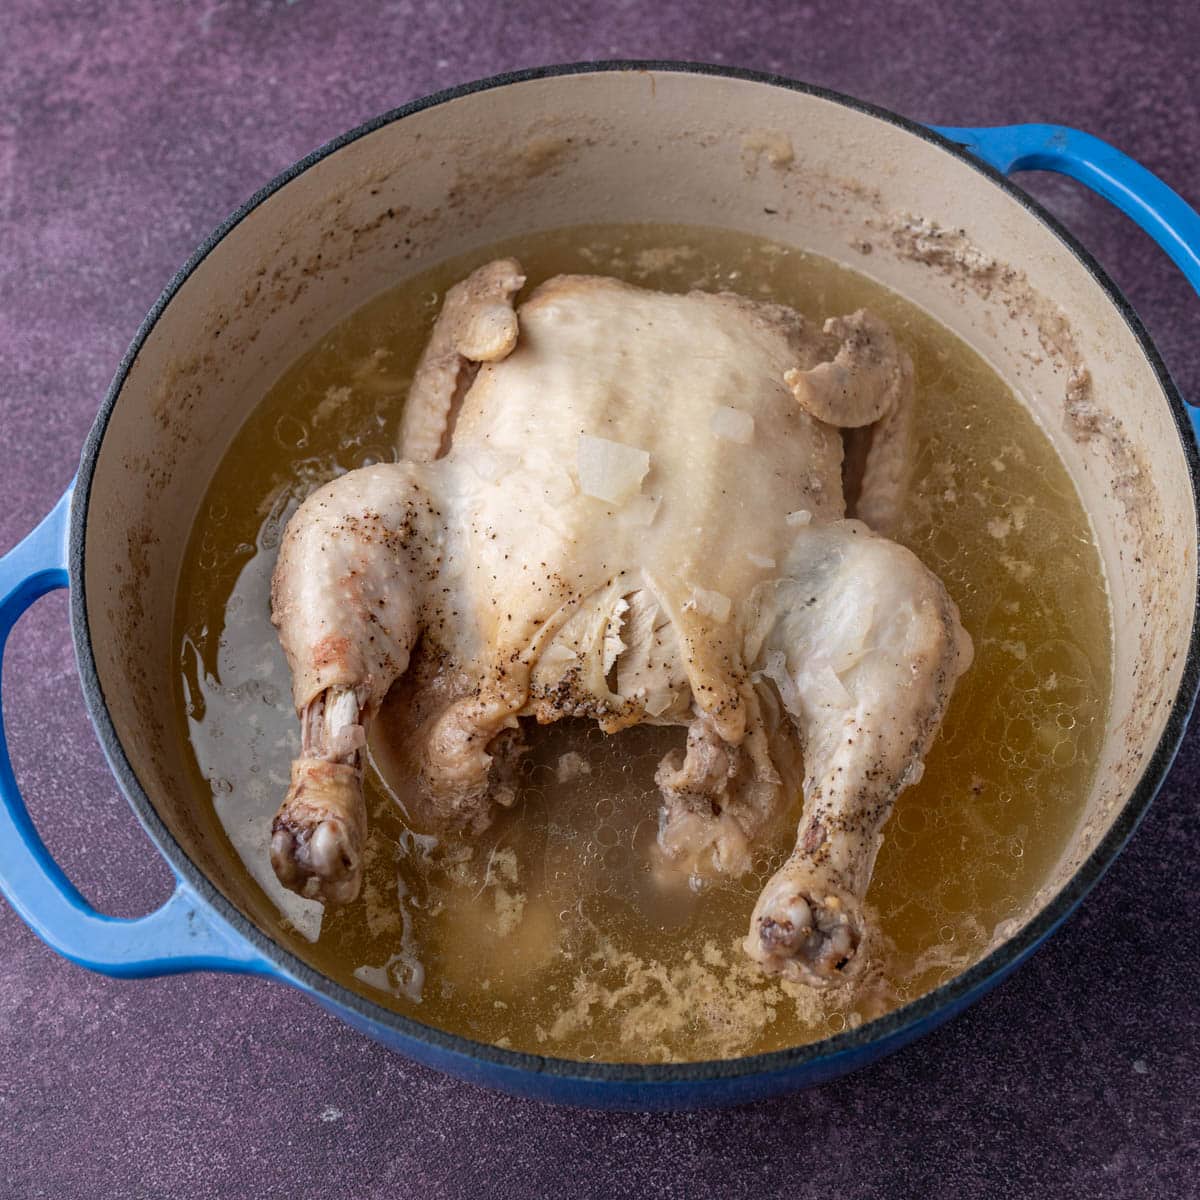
(1159, 210)
(182, 935)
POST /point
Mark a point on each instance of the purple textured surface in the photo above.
(125, 135)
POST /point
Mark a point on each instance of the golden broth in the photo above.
(554, 932)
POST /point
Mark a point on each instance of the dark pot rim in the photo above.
(894, 1027)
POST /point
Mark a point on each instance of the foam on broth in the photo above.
(553, 932)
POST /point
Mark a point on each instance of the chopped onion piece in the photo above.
(800, 517)
(761, 560)
(710, 604)
(658, 702)
(610, 471)
(733, 424)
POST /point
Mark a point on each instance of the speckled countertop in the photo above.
(127, 131)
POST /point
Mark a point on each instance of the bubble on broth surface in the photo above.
(559, 931)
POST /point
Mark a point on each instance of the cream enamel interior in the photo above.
(635, 146)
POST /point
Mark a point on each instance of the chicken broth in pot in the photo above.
(557, 930)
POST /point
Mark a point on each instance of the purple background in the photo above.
(126, 134)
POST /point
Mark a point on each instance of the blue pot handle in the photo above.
(183, 935)
(1159, 210)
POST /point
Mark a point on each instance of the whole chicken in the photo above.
(630, 505)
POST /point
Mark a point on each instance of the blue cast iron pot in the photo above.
(586, 143)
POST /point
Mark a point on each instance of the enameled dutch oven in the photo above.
(927, 212)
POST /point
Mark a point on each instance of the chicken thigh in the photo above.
(628, 505)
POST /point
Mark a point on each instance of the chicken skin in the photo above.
(628, 505)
